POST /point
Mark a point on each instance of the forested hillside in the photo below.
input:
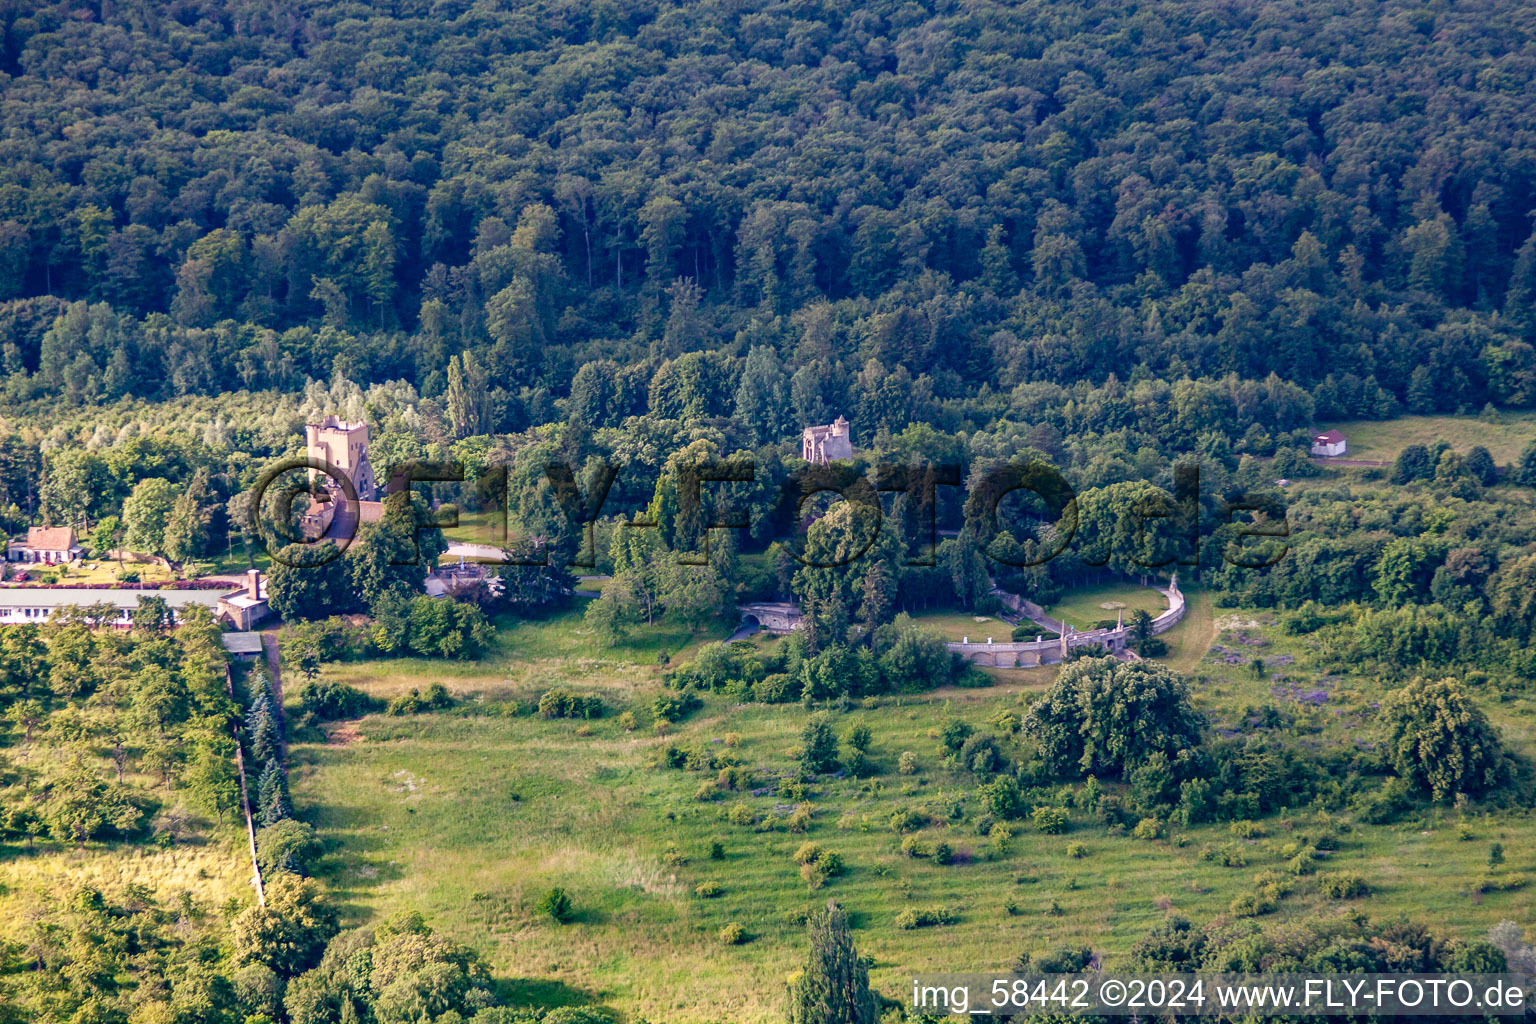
(924, 212)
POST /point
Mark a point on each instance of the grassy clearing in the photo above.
(1383, 439)
(1082, 607)
(212, 872)
(470, 816)
(957, 626)
(529, 657)
(487, 526)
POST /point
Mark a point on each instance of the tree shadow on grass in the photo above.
(347, 873)
(540, 992)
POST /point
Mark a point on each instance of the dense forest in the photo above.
(1129, 241)
(931, 213)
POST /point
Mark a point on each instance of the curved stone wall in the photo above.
(1047, 652)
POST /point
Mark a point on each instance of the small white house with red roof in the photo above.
(1328, 444)
(50, 545)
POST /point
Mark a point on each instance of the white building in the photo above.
(51, 545)
(240, 607)
(1328, 444)
(19, 605)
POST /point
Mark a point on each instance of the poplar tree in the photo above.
(834, 987)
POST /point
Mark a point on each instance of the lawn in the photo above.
(101, 571)
(956, 626)
(483, 527)
(470, 815)
(1083, 607)
(1382, 440)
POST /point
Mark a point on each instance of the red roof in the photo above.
(1329, 437)
(50, 538)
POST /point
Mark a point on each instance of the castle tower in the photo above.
(827, 443)
(345, 446)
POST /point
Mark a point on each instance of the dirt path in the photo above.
(1193, 636)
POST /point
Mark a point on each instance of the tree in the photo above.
(307, 581)
(834, 987)
(1512, 595)
(818, 744)
(186, 528)
(146, 513)
(390, 556)
(81, 804)
(1412, 463)
(1103, 716)
(285, 846)
(153, 615)
(762, 397)
(105, 537)
(289, 933)
(1439, 740)
(918, 660)
(468, 396)
(1479, 463)
(210, 776)
(75, 486)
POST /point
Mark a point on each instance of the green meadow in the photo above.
(1505, 437)
(470, 815)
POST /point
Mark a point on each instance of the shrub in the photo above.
(1247, 830)
(778, 688)
(560, 704)
(913, 846)
(716, 850)
(979, 754)
(808, 853)
(1252, 904)
(1077, 851)
(741, 814)
(792, 789)
(1148, 828)
(673, 707)
(407, 704)
(1050, 820)
(1304, 863)
(628, 722)
(328, 700)
(954, 734)
(858, 764)
(905, 819)
(556, 905)
(1342, 886)
(906, 764)
(733, 934)
(1003, 798)
(1001, 837)
(831, 862)
(943, 853)
(708, 890)
(933, 916)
